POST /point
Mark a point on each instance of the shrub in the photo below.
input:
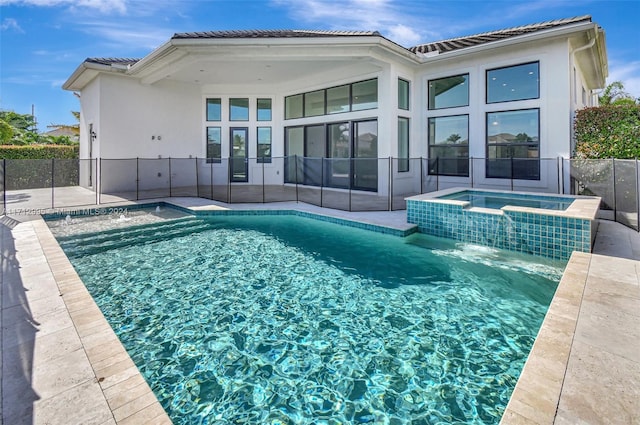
(611, 131)
(39, 151)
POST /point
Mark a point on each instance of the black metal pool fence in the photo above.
(351, 184)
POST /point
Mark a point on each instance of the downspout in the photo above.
(589, 45)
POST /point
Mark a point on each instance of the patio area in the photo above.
(62, 363)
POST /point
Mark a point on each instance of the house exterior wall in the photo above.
(167, 118)
(553, 103)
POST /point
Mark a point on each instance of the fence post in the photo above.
(197, 179)
(615, 198)
(471, 170)
(137, 178)
(321, 179)
(295, 158)
(263, 197)
(421, 177)
(637, 200)
(560, 174)
(99, 188)
(511, 174)
(170, 193)
(93, 181)
(211, 177)
(390, 183)
(229, 172)
(4, 186)
(53, 184)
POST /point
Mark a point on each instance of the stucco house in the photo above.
(248, 102)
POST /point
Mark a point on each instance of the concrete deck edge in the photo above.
(536, 396)
(127, 393)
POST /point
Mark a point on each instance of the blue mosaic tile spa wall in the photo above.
(538, 234)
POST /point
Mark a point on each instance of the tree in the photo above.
(454, 138)
(614, 94)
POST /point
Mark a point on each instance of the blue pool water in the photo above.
(497, 200)
(284, 319)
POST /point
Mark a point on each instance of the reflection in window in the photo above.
(449, 92)
(293, 106)
(264, 144)
(403, 144)
(513, 144)
(403, 94)
(314, 103)
(264, 109)
(214, 110)
(214, 144)
(517, 82)
(364, 95)
(449, 145)
(239, 109)
(338, 99)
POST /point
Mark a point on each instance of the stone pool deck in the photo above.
(62, 364)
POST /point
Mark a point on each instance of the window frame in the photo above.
(231, 106)
(431, 146)
(264, 159)
(486, 83)
(403, 160)
(259, 109)
(213, 159)
(407, 87)
(435, 108)
(207, 110)
(488, 145)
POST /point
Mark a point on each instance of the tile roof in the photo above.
(487, 37)
(442, 46)
(273, 34)
(112, 61)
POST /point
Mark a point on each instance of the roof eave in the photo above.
(534, 36)
(83, 74)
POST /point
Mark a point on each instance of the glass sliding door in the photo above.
(339, 163)
(239, 167)
(294, 149)
(315, 146)
(365, 155)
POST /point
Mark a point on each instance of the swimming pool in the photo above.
(284, 319)
(497, 200)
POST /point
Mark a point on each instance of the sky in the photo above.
(42, 42)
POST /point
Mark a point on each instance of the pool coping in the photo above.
(583, 207)
(536, 397)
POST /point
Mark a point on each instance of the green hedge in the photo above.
(39, 151)
(611, 131)
(39, 166)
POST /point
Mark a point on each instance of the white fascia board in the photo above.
(83, 74)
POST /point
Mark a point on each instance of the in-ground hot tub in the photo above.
(541, 224)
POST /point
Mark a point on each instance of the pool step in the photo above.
(116, 238)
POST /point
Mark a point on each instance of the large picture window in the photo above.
(449, 92)
(449, 145)
(513, 144)
(518, 82)
(214, 144)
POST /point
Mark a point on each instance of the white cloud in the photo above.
(628, 73)
(11, 24)
(125, 35)
(390, 18)
(104, 6)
